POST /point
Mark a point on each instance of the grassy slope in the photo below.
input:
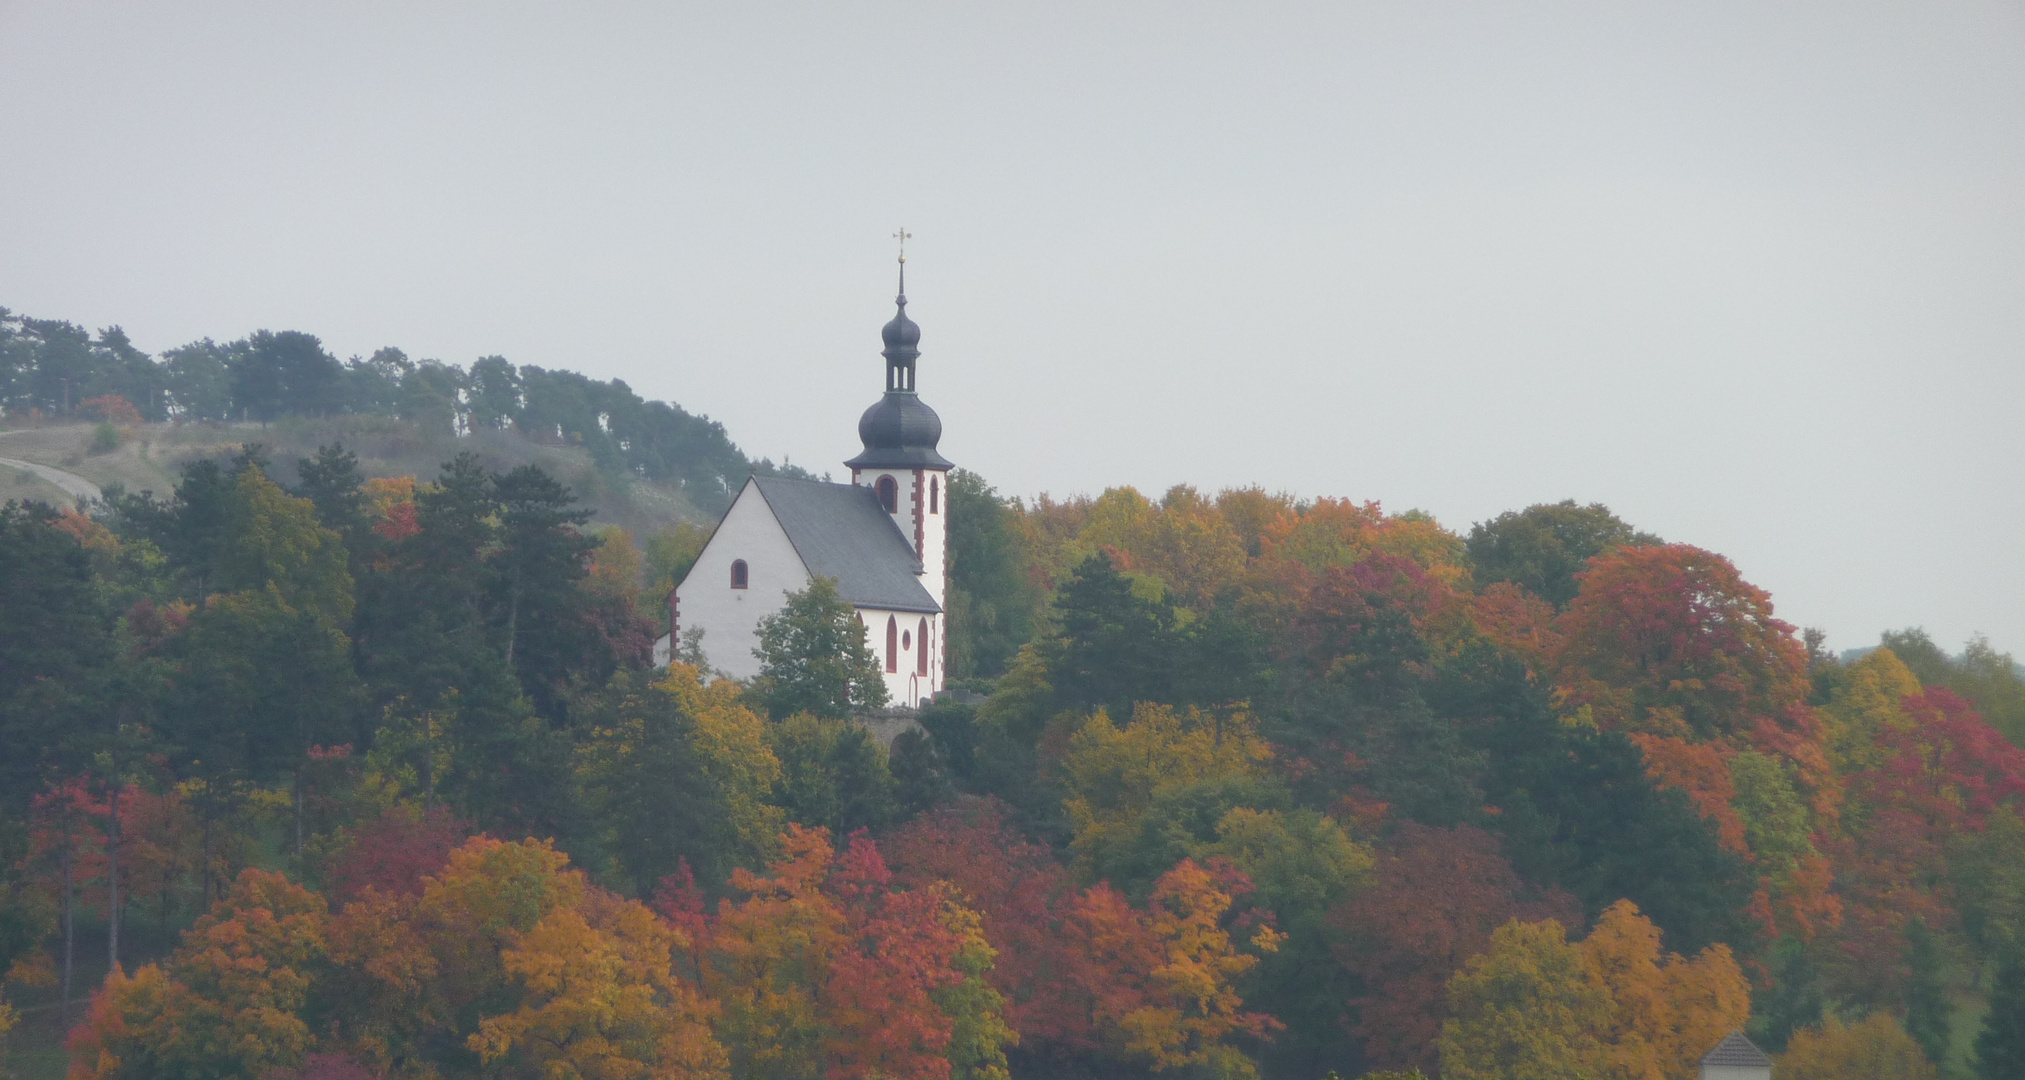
(149, 460)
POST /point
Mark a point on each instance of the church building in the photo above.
(882, 537)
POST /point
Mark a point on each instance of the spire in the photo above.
(901, 335)
(900, 430)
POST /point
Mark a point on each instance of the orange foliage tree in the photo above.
(825, 968)
(227, 1003)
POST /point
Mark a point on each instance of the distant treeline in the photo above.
(50, 367)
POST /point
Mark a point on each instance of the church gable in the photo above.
(742, 575)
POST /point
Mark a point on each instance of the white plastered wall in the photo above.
(906, 685)
(1736, 1072)
(913, 489)
(730, 617)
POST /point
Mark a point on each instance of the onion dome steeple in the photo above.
(900, 430)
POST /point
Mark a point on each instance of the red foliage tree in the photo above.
(1944, 770)
(1365, 618)
(1672, 640)
(393, 852)
(1015, 885)
(1439, 895)
(878, 998)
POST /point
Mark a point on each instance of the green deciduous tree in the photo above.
(833, 774)
(1544, 546)
(814, 659)
(677, 751)
(991, 602)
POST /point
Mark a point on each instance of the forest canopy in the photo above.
(343, 777)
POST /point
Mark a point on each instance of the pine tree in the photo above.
(2000, 1049)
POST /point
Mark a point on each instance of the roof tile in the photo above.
(841, 532)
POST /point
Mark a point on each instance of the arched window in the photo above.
(921, 657)
(889, 494)
(738, 573)
(892, 644)
(934, 494)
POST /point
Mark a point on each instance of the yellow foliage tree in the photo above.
(1528, 1009)
(1198, 1006)
(732, 739)
(1668, 1010)
(1865, 703)
(978, 1032)
(1115, 774)
(600, 1001)
(1624, 1011)
(1875, 1047)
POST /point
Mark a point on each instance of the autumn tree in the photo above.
(1526, 1008)
(393, 853)
(1138, 792)
(227, 1003)
(1196, 1008)
(1438, 896)
(1302, 865)
(825, 969)
(1543, 547)
(598, 998)
(1667, 1010)
(1014, 885)
(1671, 640)
(1612, 1005)
(1875, 1047)
(768, 957)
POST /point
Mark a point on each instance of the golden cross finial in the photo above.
(903, 236)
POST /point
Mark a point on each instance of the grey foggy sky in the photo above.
(1752, 274)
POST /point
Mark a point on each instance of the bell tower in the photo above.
(900, 464)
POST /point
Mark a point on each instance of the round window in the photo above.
(906, 639)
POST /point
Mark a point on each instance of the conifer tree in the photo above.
(2000, 1048)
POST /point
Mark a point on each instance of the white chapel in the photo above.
(882, 537)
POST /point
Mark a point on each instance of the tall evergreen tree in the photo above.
(2000, 1047)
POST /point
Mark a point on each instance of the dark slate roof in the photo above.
(1737, 1050)
(841, 532)
(899, 431)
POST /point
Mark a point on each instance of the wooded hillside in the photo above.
(317, 774)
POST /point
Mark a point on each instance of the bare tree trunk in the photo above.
(512, 616)
(204, 857)
(69, 921)
(112, 877)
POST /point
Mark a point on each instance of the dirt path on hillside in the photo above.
(77, 487)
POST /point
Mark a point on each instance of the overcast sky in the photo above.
(1752, 274)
